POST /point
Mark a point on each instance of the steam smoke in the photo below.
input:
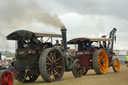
(17, 14)
(43, 16)
(20, 13)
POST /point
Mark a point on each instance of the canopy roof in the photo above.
(48, 35)
(77, 40)
(28, 35)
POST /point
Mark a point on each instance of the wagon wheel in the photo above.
(116, 65)
(100, 61)
(78, 69)
(6, 78)
(51, 65)
(30, 76)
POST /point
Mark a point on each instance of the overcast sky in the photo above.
(83, 18)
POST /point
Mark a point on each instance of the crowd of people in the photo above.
(6, 65)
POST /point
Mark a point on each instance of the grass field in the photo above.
(111, 78)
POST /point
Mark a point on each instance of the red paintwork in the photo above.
(86, 57)
(6, 78)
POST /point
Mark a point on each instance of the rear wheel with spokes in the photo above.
(100, 61)
(51, 65)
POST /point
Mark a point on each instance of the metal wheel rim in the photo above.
(103, 61)
(54, 65)
(78, 69)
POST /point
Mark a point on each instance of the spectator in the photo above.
(12, 64)
(5, 64)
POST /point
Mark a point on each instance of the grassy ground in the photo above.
(91, 78)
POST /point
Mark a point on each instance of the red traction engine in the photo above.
(94, 53)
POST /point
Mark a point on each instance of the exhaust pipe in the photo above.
(64, 37)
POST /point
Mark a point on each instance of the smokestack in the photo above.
(64, 37)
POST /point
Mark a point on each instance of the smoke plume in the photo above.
(18, 14)
(43, 16)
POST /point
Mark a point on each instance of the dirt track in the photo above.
(111, 78)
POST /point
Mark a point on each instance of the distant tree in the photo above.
(8, 53)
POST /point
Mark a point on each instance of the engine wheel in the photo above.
(116, 65)
(30, 76)
(6, 78)
(78, 69)
(100, 61)
(51, 65)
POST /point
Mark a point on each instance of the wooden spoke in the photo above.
(55, 55)
(48, 69)
(58, 59)
(49, 59)
(56, 72)
(51, 56)
(49, 64)
(58, 66)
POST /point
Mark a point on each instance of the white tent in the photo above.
(3, 57)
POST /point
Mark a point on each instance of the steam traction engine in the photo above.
(37, 55)
(94, 53)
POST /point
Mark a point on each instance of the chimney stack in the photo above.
(64, 37)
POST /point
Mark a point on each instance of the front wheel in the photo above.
(116, 65)
(78, 69)
(26, 77)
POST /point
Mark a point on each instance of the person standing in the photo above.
(5, 64)
(12, 65)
